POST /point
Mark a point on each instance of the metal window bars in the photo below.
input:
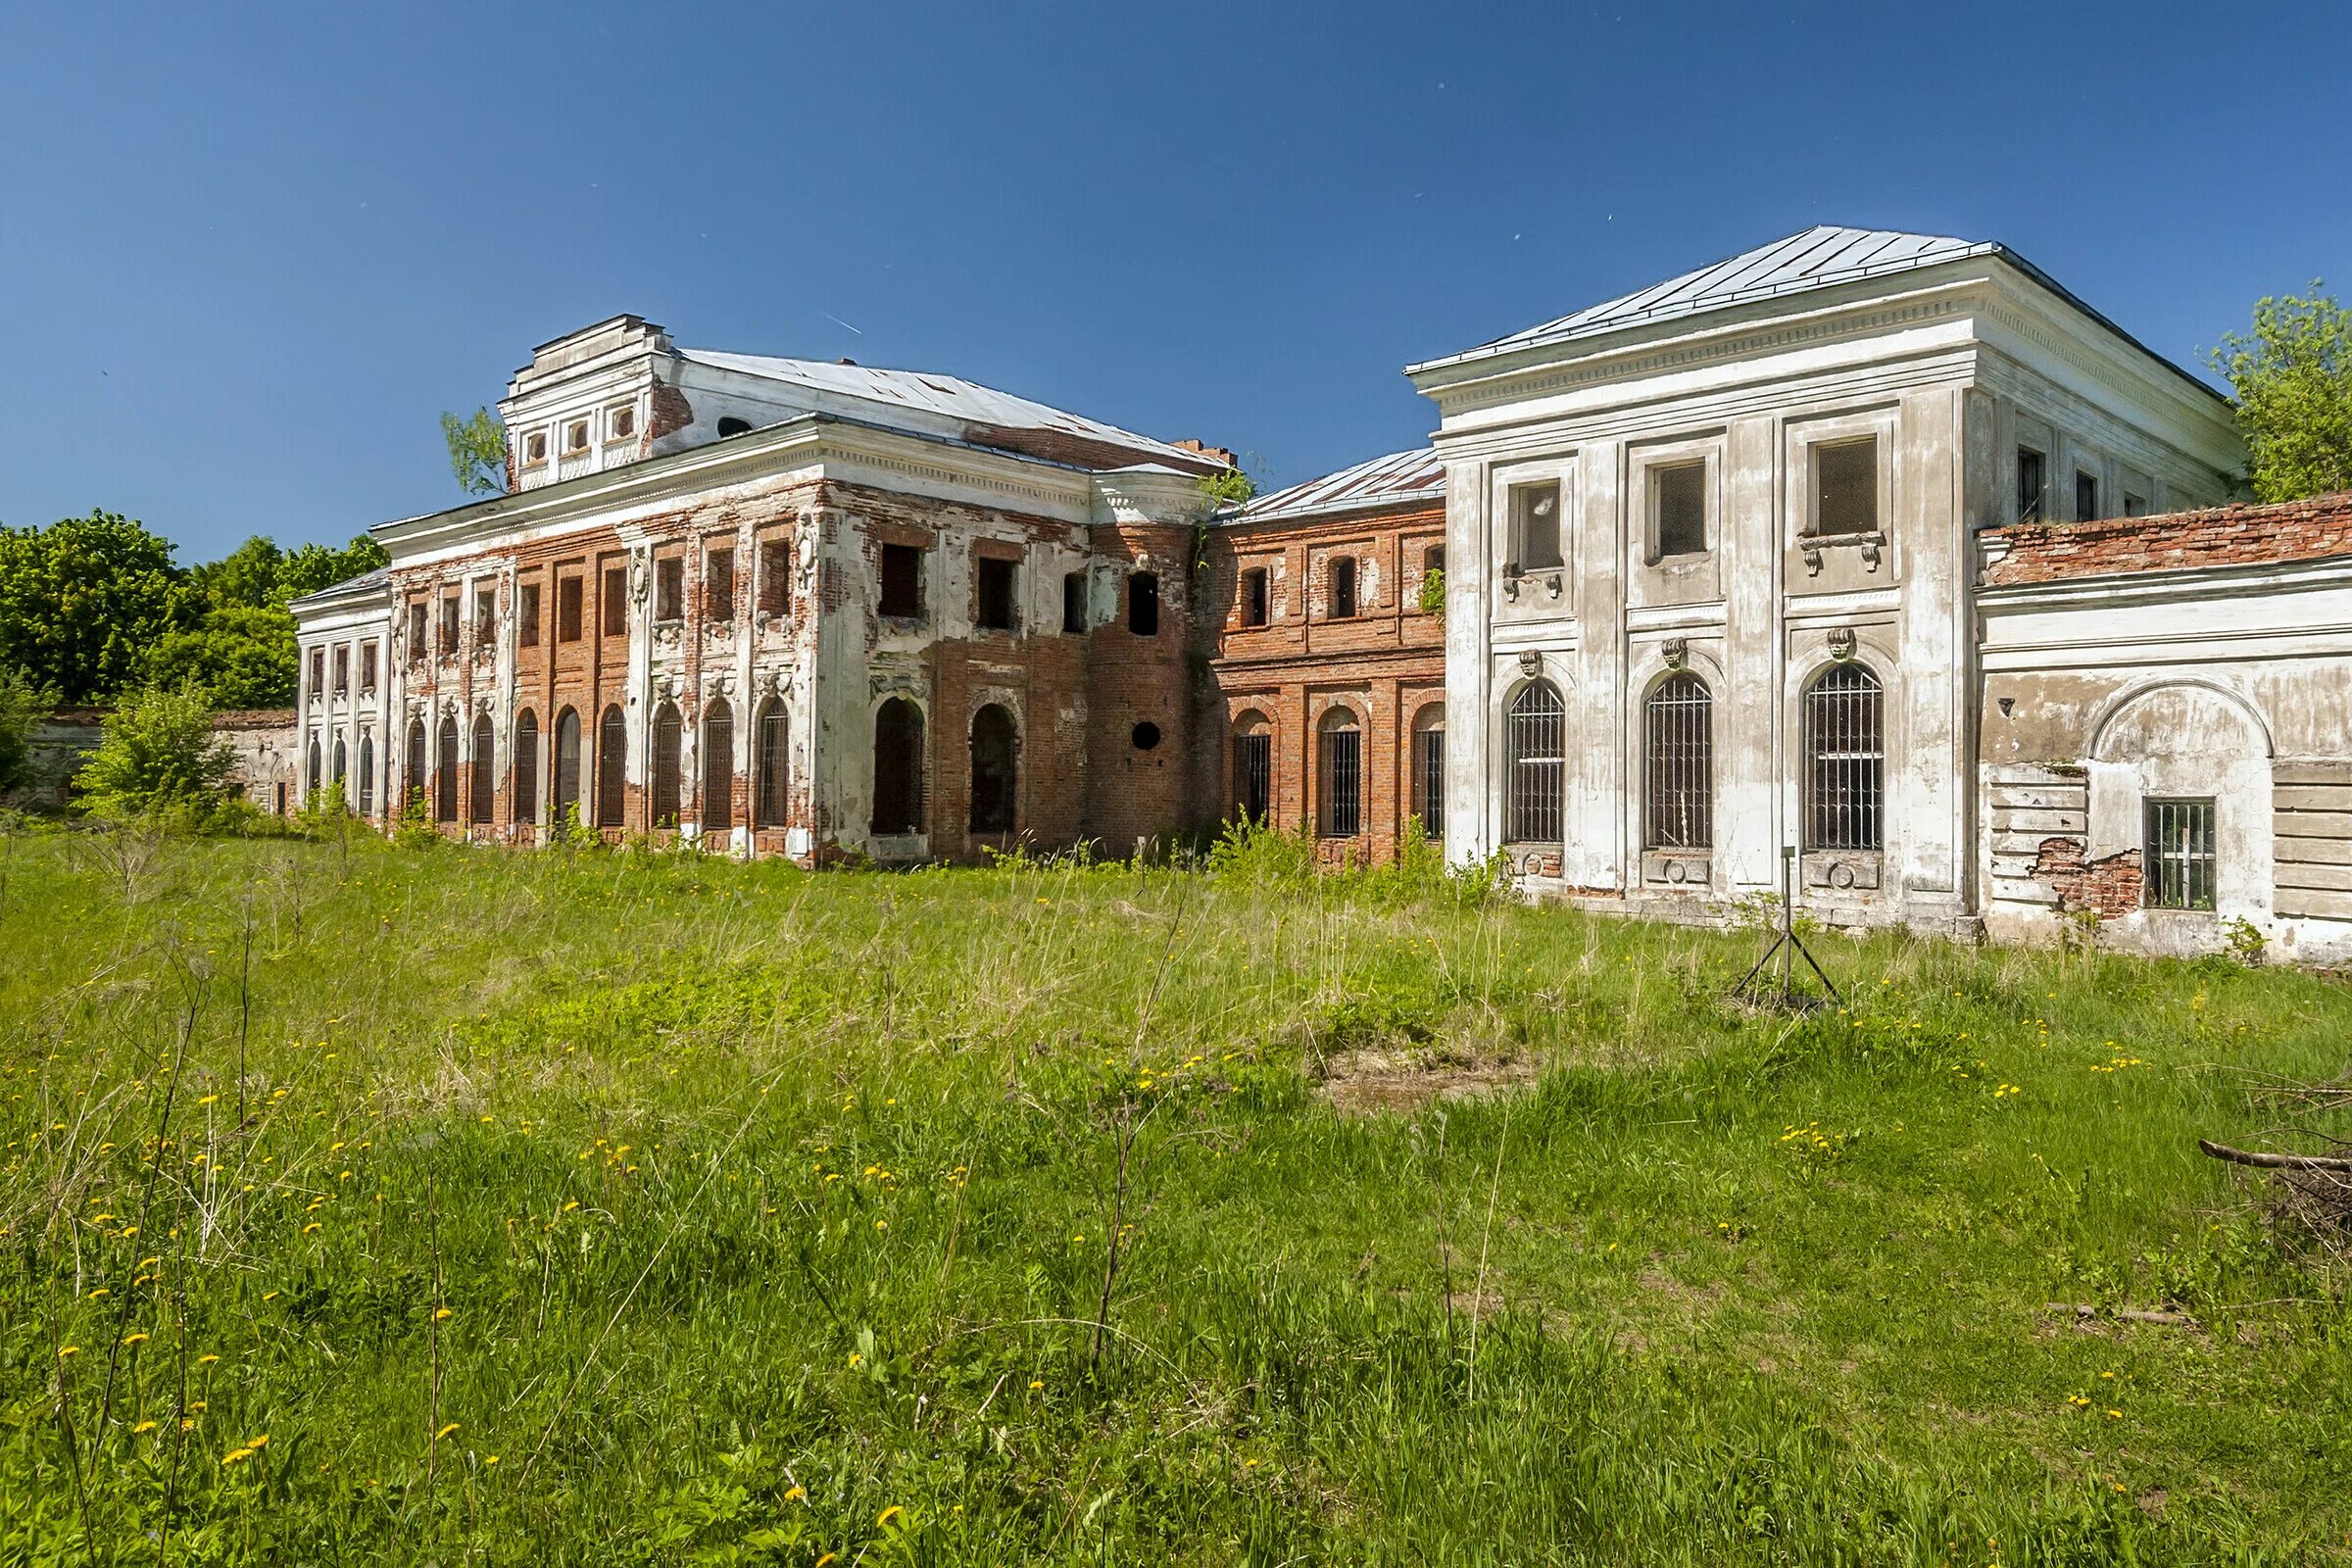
(1428, 780)
(1536, 735)
(2180, 865)
(1845, 760)
(1679, 741)
(1254, 775)
(1341, 784)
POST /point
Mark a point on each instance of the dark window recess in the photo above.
(416, 632)
(526, 767)
(1253, 774)
(367, 776)
(993, 777)
(731, 427)
(1677, 722)
(775, 575)
(1255, 597)
(774, 764)
(342, 670)
(568, 594)
(2134, 506)
(411, 781)
(611, 767)
(1143, 604)
(1340, 792)
(566, 798)
(449, 625)
(2087, 497)
(1342, 588)
(1535, 735)
(445, 774)
(1846, 760)
(1535, 528)
(317, 670)
(485, 615)
(996, 593)
(1429, 779)
(669, 745)
(341, 757)
(2033, 485)
(1845, 485)
(897, 769)
(719, 586)
(314, 776)
(1073, 603)
(902, 581)
(1144, 736)
(669, 589)
(1680, 494)
(2179, 868)
(613, 603)
(718, 768)
(367, 666)
(527, 615)
(482, 803)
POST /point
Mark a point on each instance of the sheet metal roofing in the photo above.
(932, 404)
(1400, 476)
(373, 578)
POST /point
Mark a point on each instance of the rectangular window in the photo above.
(997, 594)
(2033, 485)
(1253, 774)
(416, 631)
(902, 581)
(719, 586)
(621, 423)
(2087, 497)
(485, 615)
(527, 615)
(1846, 488)
(1535, 528)
(1143, 604)
(342, 670)
(367, 666)
(1342, 588)
(575, 437)
(569, 591)
(1428, 780)
(2178, 864)
(1073, 603)
(1255, 597)
(669, 589)
(534, 448)
(318, 673)
(449, 625)
(612, 604)
(775, 575)
(1678, 504)
(1343, 792)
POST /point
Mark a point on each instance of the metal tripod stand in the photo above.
(1789, 947)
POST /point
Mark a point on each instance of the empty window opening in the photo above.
(668, 748)
(1429, 770)
(2134, 506)
(996, 590)
(719, 586)
(485, 615)
(575, 436)
(1342, 588)
(611, 767)
(2033, 485)
(1255, 596)
(525, 792)
(774, 762)
(568, 594)
(1678, 724)
(367, 666)
(317, 670)
(1073, 603)
(527, 615)
(445, 773)
(613, 605)
(1846, 486)
(1535, 528)
(897, 769)
(1253, 768)
(2180, 865)
(669, 589)
(483, 773)
(622, 423)
(902, 581)
(1846, 760)
(449, 625)
(534, 448)
(1144, 736)
(1340, 781)
(411, 781)
(1143, 604)
(1535, 737)
(732, 427)
(2087, 497)
(994, 769)
(367, 776)
(342, 670)
(417, 631)
(775, 575)
(1678, 500)
(567, 797)
(718, 768)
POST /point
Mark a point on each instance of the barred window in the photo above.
(1846, 760)
(567, 797)
(774, 764)
(2178, 864)
(445, 773)
(1340, 791)
(412, 783)
(525, 793)
(1536, 735)
(1429, 770)
(611, 767)
(670, 743)
(1253, 768)
(340, 758)
(314, 776)
(718, 768)
(1678, 724)
(367, 776)
(483, 808)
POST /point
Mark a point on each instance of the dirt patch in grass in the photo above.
(1375, 1082)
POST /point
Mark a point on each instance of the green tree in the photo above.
(83, 599)
(241, 647)
(2293, 375)
(159, 757)
(478, 451)
(23, 705)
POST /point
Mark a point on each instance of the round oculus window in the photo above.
(1144, 735)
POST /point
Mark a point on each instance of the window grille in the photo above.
(1342, 792)
(314, 771)
(485, 804)
(566, 799)
(718, 768)
(1536, 734)
(1253, 774)
(776, 734)
(526, 767)
(445, 773)
(1846, 760)
(339, 759)
(2180, 867)
(1678, 743)
(611, 767)
(412, 783)
(1429, 779)
(670, 742)
(367, 776)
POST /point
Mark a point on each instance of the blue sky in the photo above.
(249, 258)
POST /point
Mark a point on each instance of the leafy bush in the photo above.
(22, 705)
(158, 758)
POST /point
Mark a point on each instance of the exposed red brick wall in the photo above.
(2222, 536)
(2111, 886)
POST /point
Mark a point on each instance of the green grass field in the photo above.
(369, 1206)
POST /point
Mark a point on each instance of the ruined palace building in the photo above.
(1881, 546)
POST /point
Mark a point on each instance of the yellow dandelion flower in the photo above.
(443, 1315)
(490, 1459)
(236, 1456)
(135, 1339)
(144, 1426)
(883, 1519)
(797, 1495)
(1036, 1383)
(205, 1360)
(65, 1350)
(445, 1431)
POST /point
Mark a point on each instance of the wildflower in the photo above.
(797, 1495)
(65, 1350)
(1036, 1384)
(443, 1315)
(236, 1456)
(490, 1459)
(208, 1099)
(144, 1426)
(829, 1556)
(135, 1339)
(205, 1360)
(446, 1431)
(311, 1226)
(882, 1521)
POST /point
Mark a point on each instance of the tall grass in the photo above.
(365, 1205)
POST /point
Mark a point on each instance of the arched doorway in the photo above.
(995, 777)
(897, 769)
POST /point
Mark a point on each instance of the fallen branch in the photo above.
(2271, 1161)
(2125, 1314)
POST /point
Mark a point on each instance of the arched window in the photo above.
(670, 739)
(1536, 738)
(1429, 770)
(1253, 767)
(718, 768)
(525, 792)
(566, 798)
(314, 776)
(611, 767)
(367, 776)
(412, 782)
(1342, 588)
(1846, 760)
(1143, 604)
(994, 776)
(483, 807)
(1340, 777)
(1678, 747)
(773, 761)
(732, 427)
(341, 758)
(445, 773)
(897, 769)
